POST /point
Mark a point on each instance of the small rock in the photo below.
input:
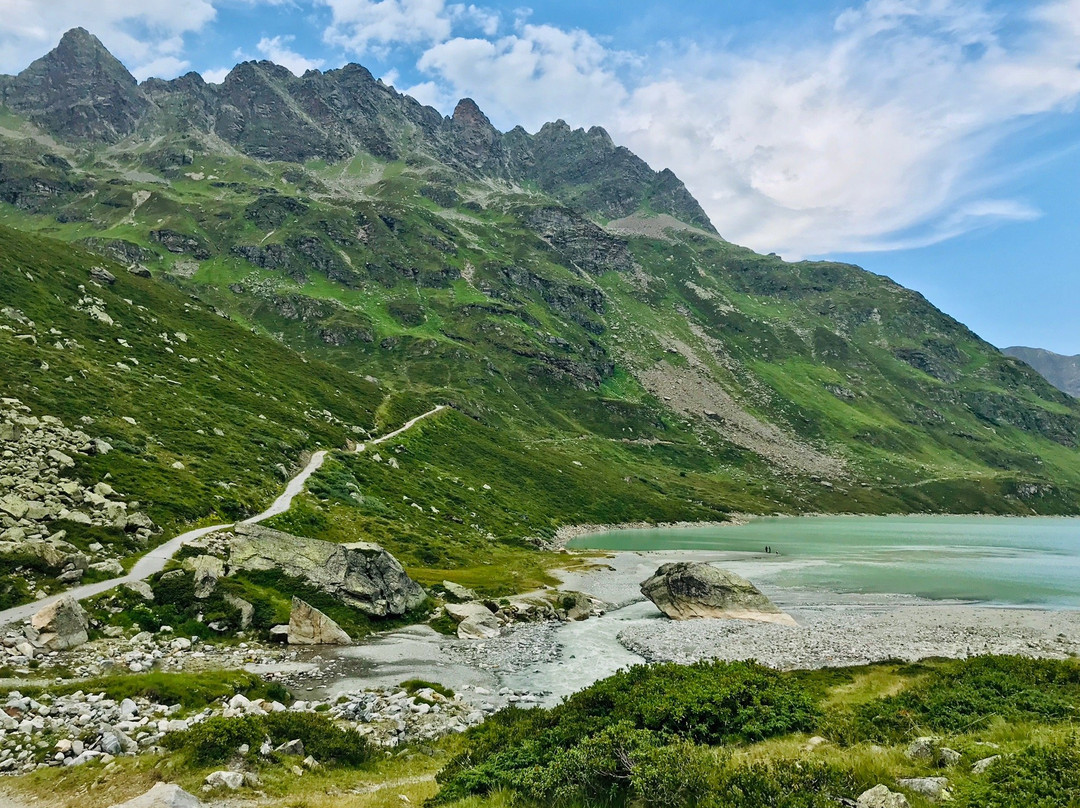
(881, 797)
(225, 779)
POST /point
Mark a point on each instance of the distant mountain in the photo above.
(79, 92)
(607, 355)
(1061, 371)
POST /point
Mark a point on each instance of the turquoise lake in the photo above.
(1006, 561)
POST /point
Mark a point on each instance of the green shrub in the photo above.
(413, 686)
(961, 695)
(325, 741)
(1037, 777)
(783, 784)
(707, 702)
(621, 733)
(217, 739)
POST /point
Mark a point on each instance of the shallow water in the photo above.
(1032, 562)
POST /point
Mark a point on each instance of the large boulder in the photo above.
(360, 574)
(163, 795)
(60, 625)
(685, 590)
(309, 626)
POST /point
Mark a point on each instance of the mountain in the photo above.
(1061, 371)
(349, 258)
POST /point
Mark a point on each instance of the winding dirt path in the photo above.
(155, 561)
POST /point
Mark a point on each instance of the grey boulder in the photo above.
(360, 574)
(684, 590)
(59, 626)
(935, 788)
(881, 797)
(163, 795)
(309, 626)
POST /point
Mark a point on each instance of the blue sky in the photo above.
(935, 141)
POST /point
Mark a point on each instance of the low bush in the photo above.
(413, 686)
(707, 702)
(1037, 777)
(219, 739)
(639, 726)
(961, 695)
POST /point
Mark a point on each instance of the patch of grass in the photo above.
(193, 691)
(413, 686)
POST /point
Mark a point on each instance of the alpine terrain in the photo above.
(444, 347)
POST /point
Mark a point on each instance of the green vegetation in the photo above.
(733, 734)
(192, 691)
(414, 686)
(216, 740)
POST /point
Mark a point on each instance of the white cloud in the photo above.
(540, 73)
(362, 26)
(215, 75)
(358, 24)
(277, 50)
(882, 134)
(30, 28)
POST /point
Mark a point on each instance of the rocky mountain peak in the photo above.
(78, 90)
(467, 113)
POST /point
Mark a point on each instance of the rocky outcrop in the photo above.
(59, 626)
(163, 795)
(685, 590)
(360, 574)
(78, 91)
(309, 626)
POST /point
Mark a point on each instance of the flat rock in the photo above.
(309, 626)
(479, 627)
(684, 590)
(933, 787)
(463, 611)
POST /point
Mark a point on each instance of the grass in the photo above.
(193, 691)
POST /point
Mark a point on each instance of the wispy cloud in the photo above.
(147, 36)
(852, 142)
(277, 50)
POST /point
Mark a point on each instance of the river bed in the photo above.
(860, 588)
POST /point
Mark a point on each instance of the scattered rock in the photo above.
(462, 593)
(102, 275)
(981, 766)
(922, 748)
(685, 590)
(948, 757)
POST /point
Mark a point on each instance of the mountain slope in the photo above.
(572, 305)
(1061, 371)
